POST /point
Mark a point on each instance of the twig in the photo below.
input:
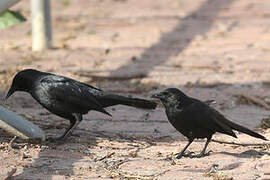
(241, 144)
(12, 149)
(133, 176)
(135, 153)
(255, 100)
(115, 173)
(11, 141)
(107, 156)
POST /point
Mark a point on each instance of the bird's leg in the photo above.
(182, 153)
(73, 124)
(202, 154)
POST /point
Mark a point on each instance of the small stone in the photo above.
(7, 172)
(86, 151)
(133, 58)
(264, 157)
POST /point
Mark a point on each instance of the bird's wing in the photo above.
(208, 118)
(71, 92)
(220, 120)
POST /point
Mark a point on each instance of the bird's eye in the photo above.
(166, 93)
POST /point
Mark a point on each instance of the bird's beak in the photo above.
(157, 96)
(10, 92)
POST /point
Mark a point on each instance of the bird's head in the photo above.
(21, 82)
(171, 97)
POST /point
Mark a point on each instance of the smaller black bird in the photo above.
(196, 119)
(68, 98)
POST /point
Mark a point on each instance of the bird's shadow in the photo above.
(58, 158)
(251, 153)
(227, 167)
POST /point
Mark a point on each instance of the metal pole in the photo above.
(5, 4)
(41, 25)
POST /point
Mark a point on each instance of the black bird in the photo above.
(69, 98)
(196, 119)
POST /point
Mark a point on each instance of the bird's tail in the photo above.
(245, 130)
(112, 99)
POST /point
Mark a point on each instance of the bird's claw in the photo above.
(189, 154)
(202, 155)
(58, 139)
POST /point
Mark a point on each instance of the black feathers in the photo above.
(196, 119)
(68, 98)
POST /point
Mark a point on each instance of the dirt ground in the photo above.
(211, 49)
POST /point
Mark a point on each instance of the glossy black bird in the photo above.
(68, 98)
(196, 119)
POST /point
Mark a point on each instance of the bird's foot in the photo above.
(189, 154)
(201, 155)
(53, 139)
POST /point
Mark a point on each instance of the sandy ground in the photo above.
(212, 49)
